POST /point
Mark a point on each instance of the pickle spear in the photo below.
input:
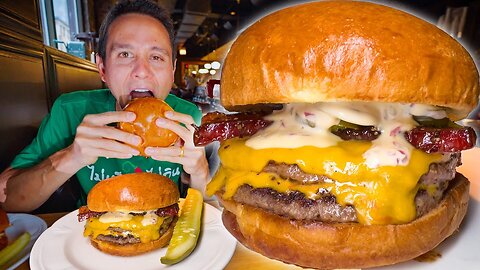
(14, 248)
(187, 229)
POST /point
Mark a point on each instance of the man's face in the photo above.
(138, 59)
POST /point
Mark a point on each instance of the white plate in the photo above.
(21, 223)
(63, 246)
(460, 251)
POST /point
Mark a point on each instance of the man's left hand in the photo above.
(183, 152)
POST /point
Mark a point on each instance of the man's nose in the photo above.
(141, 68)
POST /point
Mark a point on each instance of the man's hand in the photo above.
(185, 152)
(96, 139)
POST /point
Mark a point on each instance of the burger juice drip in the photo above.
(379, 178)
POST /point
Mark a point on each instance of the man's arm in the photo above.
(27, 189)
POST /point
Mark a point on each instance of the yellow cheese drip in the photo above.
(95, 227)
(384, 195)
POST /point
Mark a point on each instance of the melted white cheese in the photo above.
(111, 217)
(150, 218)
(427, 110)
(298, 125)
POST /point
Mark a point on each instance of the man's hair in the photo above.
(145, 7)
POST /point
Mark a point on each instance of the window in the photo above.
(62, 21)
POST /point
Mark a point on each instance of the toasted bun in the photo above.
(133, 249)
(148, 110)
(133, 192)
(345, 245)
(348, 51)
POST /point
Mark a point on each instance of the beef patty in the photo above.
(295, 205)
(130, 239)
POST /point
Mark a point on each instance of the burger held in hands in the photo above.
(147, 111)
(344, 148)
(131, 214)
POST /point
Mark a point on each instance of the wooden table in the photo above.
(242, 259)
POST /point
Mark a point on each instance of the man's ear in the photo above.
(174, 66)
(100, 67)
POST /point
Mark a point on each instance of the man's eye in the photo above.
(124, 54)
(158, 58)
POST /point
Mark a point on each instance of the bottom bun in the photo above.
(133, 249)
(345, 245)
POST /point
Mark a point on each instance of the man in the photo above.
(79, 137)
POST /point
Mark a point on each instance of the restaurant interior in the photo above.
(47, 48)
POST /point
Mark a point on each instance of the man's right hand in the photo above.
(96, 139)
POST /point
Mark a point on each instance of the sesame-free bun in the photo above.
(348, 51)
(133, 192)
(148, 110)
(133, 249)
(345, 245)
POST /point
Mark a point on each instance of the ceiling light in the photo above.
(216, 65)
(213, 71)
(182, 51)
(233, 13)
(203, 71)
(194, 72)
(207, 66)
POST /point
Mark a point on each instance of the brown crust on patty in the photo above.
(133, 249)
(346, 245)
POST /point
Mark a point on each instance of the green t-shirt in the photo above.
(58, 130)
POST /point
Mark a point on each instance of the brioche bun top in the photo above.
(148, 110)
(348, 51)
(133, 192)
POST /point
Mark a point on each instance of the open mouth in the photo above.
(140, 93)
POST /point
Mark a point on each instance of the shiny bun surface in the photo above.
(348, 51)
(148, 110)
(133, 192)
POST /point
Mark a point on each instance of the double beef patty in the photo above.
(294, 204)
(130, 239)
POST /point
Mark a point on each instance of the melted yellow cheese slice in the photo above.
(384, 195)
(95, 227)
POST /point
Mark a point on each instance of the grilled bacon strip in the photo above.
(219, 127)
(168, 211)
(440, 140)
(84, 213)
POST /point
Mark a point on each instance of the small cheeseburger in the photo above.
(357, 168)
(147, 111)
(131, 214)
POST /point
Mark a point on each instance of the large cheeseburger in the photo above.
(344, 148)
(131, 214)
